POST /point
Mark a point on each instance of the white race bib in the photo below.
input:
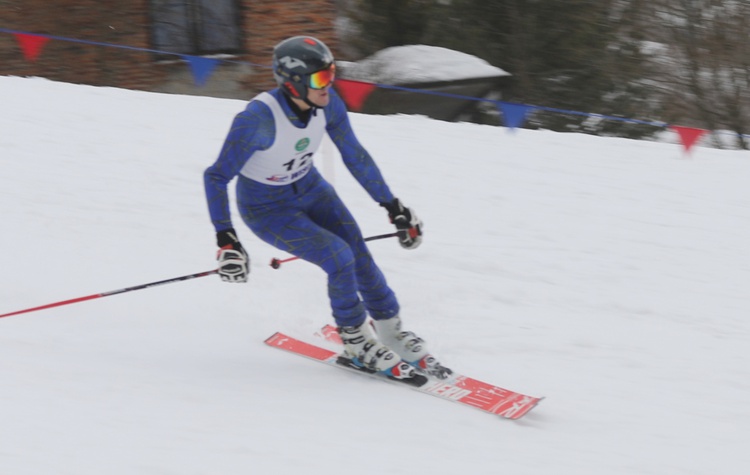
(291, 155)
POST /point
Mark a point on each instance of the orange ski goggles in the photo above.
(323, 78)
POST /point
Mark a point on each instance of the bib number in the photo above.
(303, 161)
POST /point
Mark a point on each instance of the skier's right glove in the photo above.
(408, 225)
(234, 265)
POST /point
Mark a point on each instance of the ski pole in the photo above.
(276, 263)
(113, 292)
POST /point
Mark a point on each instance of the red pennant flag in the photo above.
(688, 135)
(31, 45)
(354, 93)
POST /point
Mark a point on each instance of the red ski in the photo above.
(458, 388)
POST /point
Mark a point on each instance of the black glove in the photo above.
(408, 225)
(234, 265)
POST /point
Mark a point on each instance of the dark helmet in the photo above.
(295, 60)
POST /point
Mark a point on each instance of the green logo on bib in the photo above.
(302, 144)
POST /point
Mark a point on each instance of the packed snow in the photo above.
(609, 275)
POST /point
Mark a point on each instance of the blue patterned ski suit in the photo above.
(306, 217)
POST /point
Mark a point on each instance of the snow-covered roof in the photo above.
(419, 63)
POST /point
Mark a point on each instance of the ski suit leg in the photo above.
(314, 224)
(294, 232)
(329, 211)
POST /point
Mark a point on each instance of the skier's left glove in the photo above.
(408, 225)
(234, 265)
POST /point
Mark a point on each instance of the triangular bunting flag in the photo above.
(31, 45)
(354, 93)
(688, 135)
(201, 67)
(514, 115)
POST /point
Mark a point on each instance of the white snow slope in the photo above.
(608, 275)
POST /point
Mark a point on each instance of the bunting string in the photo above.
(354, 93)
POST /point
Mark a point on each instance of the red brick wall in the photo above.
(126, 22)
(267, 22)
(116, 22)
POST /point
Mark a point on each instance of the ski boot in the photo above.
(409, 347)
(362, 351)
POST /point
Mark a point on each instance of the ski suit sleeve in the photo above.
(357, 160)
(252, 129)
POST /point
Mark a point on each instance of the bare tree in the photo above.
(709, 67)
(677, 61)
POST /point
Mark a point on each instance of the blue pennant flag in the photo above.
(202, 68)
(514, 115)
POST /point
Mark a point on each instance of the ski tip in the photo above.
(518, 412)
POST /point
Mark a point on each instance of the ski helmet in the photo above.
(302, 62)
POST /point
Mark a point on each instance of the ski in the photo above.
(458, 388)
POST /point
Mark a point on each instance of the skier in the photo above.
(285, 201)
